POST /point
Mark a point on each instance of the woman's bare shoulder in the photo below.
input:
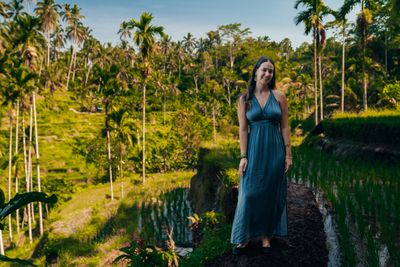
(242, 98)
(278, 93)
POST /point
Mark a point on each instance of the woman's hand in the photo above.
(242, 166)
(288, 163)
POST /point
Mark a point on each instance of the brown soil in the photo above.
(304, 245)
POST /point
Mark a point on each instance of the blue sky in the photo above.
(264, 17)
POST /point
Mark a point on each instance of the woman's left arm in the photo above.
(285, 130)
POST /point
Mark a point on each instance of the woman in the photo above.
(261, 211)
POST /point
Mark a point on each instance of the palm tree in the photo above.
(27, 44)
(20, 82)
(125, 34)
(304, 84)
(75, 31)
(124, 31)
(10, 155)
(110, 86)
(15, 9)
(59, 39)
(3, 10)
(124, 127)
(212, 93)
(364, 19)
(162, 82)
(312, 19)
(213, 41)
(144, 38)
(165, 45)
(341, 22)
(47, 11)
(90, 49)
(180, 56)
(189, 43)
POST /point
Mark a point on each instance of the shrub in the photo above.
(391, 94)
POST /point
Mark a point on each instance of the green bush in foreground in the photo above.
(139, 254)
(215, 240)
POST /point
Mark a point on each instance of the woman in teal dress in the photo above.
(264, 134)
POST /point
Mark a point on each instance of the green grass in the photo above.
(365, 114)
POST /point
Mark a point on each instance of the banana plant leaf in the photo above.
(15, 260)
(21, 200)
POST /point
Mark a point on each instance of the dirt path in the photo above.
(304, 246)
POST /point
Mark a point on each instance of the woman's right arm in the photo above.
(243, 134)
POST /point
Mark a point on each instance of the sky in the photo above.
(271, 18)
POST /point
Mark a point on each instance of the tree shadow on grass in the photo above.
(53, 248)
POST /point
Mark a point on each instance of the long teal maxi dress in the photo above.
(261, 209)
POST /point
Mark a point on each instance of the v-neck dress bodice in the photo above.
(262, 208)
(270, 113)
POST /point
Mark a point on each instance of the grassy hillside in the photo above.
(58, 124)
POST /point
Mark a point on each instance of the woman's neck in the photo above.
(261, 88)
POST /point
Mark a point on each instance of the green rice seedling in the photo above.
(369, 191)
(347, 245)
(373, 259)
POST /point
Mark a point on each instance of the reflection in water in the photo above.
(332, 242)
(170, 209)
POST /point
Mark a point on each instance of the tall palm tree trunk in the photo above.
(144, 135)
(216, 59)
(229, 95)
(214, 125)
(70, 67)
(231, 57)
(37, 161)
(315, 77)
(30, 159)
(121, 173)
(343, 63)
(87, 75)
(195, 79)
(365, 80)
(26, 173)
(109, 153)
(179, 69)
(9, 174)
(364, 43)
(1, 243)
(321, 91)
(48, 48)
(386, 53)
(164, 106)
(74, 68)
(16, 165)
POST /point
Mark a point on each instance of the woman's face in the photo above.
(265, 73)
